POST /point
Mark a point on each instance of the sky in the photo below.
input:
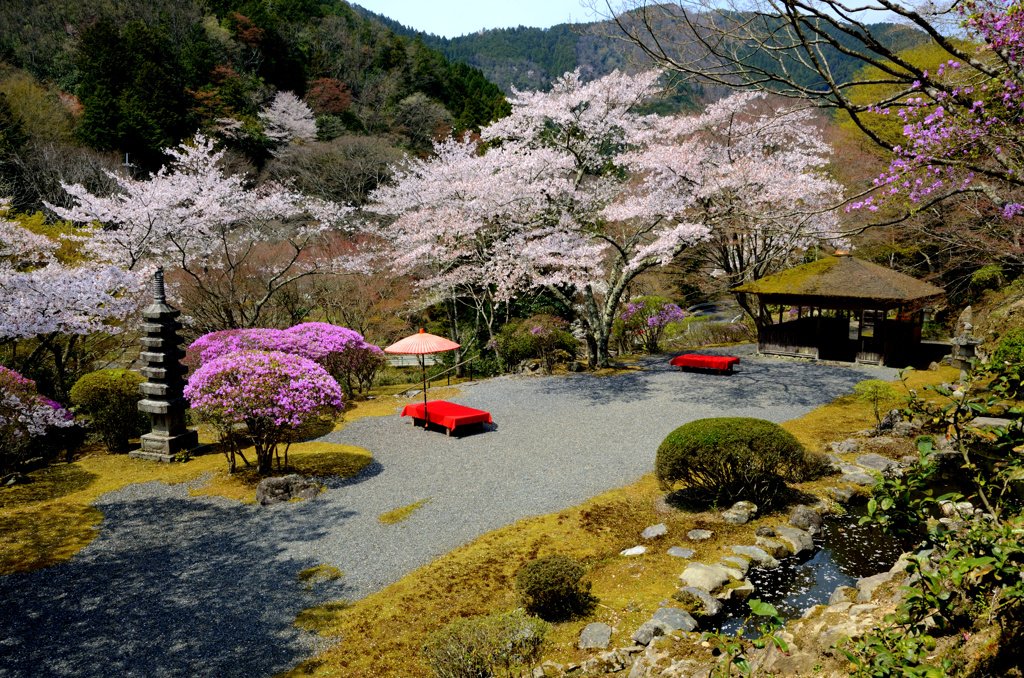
(452, 18)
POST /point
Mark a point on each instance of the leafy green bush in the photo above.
(1011, 347)
(550, 588)
(724, 459)
(879, 394)
(480, 647)
(1008, 360)
(539, 336)
(109, 398)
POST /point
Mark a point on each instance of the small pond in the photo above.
(844, 553)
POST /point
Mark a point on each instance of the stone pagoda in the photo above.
(163, 400)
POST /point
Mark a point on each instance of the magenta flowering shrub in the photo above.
(270, 393)
(341, 351)
(25, 417)
(644, 320)
(964, 123)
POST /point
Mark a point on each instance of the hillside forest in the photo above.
(325, 111)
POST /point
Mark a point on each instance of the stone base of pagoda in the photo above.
(156, 447)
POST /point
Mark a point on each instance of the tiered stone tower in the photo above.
(163, 401)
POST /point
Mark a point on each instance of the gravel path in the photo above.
(176, 585)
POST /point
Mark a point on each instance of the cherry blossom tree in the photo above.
(24, 415)
(193, 217)
(288, 119)
(579, 194)
(56, 304)
(963, 120)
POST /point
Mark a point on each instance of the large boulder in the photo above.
(649, 630)
(776, 549)
(876, 462)
(806, 518)
(757, 555)
(708, 578)
(675, 619)
(595, 636)
(701, 601)
(284, 489)
(797, 540)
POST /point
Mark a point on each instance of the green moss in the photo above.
(318, 575)
(319, 618)
(403, 513)
(784, 282)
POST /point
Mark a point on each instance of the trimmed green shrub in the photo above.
(109, 399)
(1008, 362)
(550, 588)
(725, 459)
(481, 647)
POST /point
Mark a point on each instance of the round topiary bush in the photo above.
(110, 399)
(550, 588)
(725, 459)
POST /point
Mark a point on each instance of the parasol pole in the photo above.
(423, 367)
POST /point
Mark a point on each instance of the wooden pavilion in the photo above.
(842, 308)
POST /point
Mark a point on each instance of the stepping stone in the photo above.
(649, 630)
(675, 619)
(654, 531)
(680, 552)
(759, 556)
(635, 551)
(741, 592)
(704, 577)
(699, 535)
(776, 549)
(710, 605)
(806, 518)
(876, 462)
(737, 563)
(858, 479)
(797, 540)
(595, 636)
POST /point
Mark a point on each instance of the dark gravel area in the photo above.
(177, 585)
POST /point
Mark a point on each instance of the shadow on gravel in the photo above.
(371, 470)
(757, 382)
(206, 594)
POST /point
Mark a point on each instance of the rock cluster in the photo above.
(850, 613)
(284, 489)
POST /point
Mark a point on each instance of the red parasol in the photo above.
(420, 344)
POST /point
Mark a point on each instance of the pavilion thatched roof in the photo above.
(842, 281)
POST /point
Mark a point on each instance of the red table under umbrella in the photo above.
(420, 344)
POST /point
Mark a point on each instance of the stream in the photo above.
(844, 553)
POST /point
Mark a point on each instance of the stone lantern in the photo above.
(163, 400)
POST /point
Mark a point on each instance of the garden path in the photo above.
(176, 585)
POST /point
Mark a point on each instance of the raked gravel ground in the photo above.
(176, 585)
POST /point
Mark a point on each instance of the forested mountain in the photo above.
(135, 77)
(529, 58)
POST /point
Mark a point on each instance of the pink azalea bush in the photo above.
(646, 318)
(269, 392)
(342, 352)
(24, 417)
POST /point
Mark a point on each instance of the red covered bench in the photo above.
(446, 414)
(710, 362)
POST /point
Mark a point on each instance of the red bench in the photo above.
(710, 362)
(449, 415)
